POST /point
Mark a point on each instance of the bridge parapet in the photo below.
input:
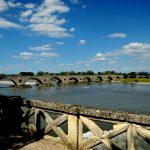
(78, 118)
(41, 118)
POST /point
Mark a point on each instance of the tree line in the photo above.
(89, 72)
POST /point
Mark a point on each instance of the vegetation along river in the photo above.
(114, 96)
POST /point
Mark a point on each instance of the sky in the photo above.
(78, 35)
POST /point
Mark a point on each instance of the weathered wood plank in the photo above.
(87, 144)
(55, 139)
(97, 132)
(131, 138)
(80, 133)
(116, 131)
(143, 132)
(58, 121)
(92, 126)
(57, 130)
(93, 141)
(73, 131)
(37, 120)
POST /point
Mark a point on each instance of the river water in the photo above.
(114, 96)
(133, 98)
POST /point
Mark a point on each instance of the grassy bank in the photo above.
(135, 80)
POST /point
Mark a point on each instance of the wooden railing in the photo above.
(49, 117)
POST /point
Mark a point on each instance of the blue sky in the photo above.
(79, 35)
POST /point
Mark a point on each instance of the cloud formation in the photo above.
(82, 42)
(46, 18)
(28, 55)
(41, 48)
(137, 50)
(7, 24)
(72, 29)
(99, 57)
(3, 5)
(117, 35)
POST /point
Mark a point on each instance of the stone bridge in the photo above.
(59, 79)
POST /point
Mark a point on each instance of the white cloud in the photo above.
(29, 5)
(82, 42)
(7, 24)
(12, 4)
(26, 55)
(41, 48)
(137, 50)
(3, 5)
(72, 29)
(49, 55)
(60, 43)
(50, 30)
(134, 48)
(46, 18)
(26, 13)
(99, 57)
(117, 35)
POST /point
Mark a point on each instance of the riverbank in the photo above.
(136, 81)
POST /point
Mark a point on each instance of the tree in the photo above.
(132, 75)
(71, 73)
(26, 74)
(40, 73)
(100, 73)
(89, 72)
(83, 73)
(63, 73)
(125, 76)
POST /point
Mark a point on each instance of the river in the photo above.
(133, 98)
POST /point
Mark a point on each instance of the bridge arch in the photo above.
(38, 81)
(73, 80)
(87, 79)
(117, 77)
(57, 80)
(99, 78)
(9, 80)
(109, 78)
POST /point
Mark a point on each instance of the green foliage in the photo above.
(41, 73)
(128, 80)
(26, 74)
(89, 72)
